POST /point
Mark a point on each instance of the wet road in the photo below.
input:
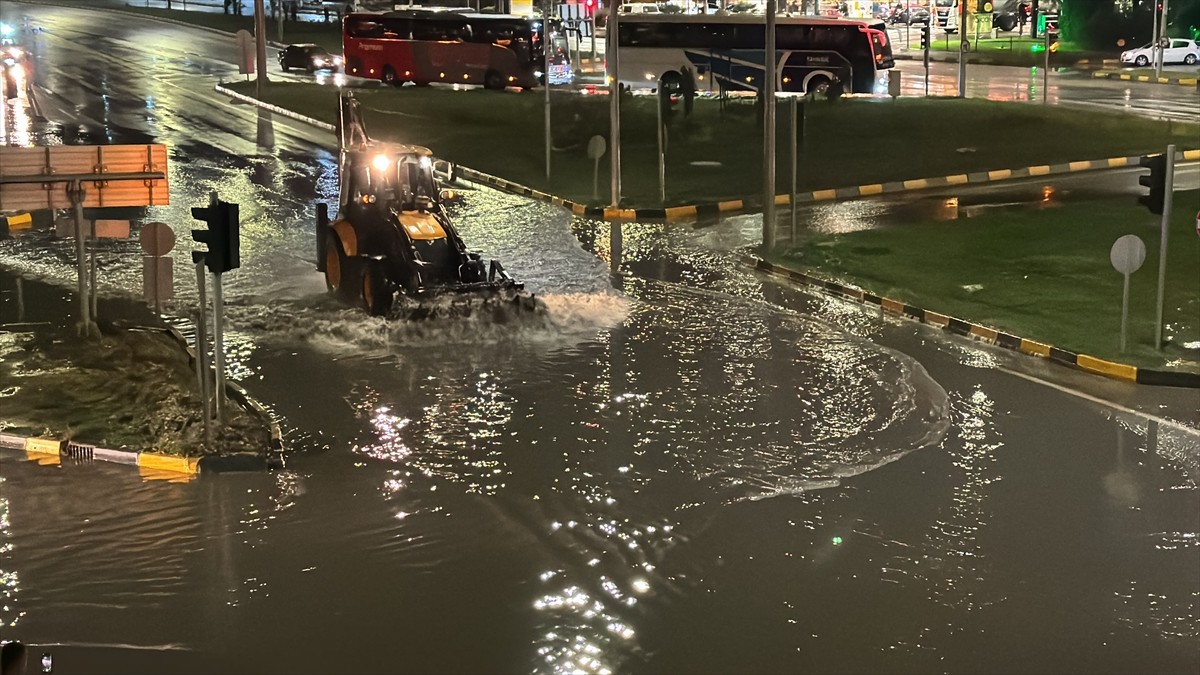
(682, 468)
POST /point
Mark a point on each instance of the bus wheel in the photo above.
(389, 76)
(493, 80)
(817, 86)
(671, 83)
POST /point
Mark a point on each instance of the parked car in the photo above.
(1177, 51)
(308, 57)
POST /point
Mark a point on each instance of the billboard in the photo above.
(111, 175)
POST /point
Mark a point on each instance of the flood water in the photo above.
(680, 467)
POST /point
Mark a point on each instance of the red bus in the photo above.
(422, 46)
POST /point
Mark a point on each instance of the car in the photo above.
(308, 57)
(909, 15)
(1177, 51)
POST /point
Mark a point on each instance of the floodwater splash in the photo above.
(343, 331)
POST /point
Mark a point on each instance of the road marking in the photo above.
(1095, 399)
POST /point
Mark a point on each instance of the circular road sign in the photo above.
(157, 239)
(1127, 254)
(596, 147)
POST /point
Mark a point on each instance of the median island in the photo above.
(1040, 273)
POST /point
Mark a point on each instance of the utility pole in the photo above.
(768, 96)
(614, 94)
(546, 47)
(260, 40)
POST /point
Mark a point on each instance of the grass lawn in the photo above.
(1043, 275)
(847, 142)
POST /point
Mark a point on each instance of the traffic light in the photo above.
(925, 37)
(222, 236)
(983, 7)
(1156, 181)
(590, 6)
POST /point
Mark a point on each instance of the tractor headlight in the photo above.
(426, 162)
(381, 162)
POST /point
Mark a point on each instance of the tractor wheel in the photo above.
(377, 292)
(341, 271)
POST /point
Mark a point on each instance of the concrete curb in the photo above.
(1118, 75)
(156, 465)
(274, 108)
(989, 335)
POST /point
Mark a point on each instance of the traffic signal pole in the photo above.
(224, 254)
(1168, 198)
(202, 350)
(1158, 40)
(962, 53)
(926, 40)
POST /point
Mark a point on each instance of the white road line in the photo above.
(1116, 406)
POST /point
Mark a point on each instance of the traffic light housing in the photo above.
(222, 236)
(925, 35)
(1156, 181)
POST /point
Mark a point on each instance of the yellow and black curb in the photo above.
(1065, 357)
(156, 465)
(831, 194)
(1118, 75)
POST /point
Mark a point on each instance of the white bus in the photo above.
(724, 53)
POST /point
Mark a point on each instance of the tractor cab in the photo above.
(392, 232)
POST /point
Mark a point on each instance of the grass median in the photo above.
(1041, 274)
(716, 152)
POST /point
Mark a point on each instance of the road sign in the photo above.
(157, 239)
(1127, 254)
(595, 150)
(158, 279)
(59, 164)
(245, 47)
